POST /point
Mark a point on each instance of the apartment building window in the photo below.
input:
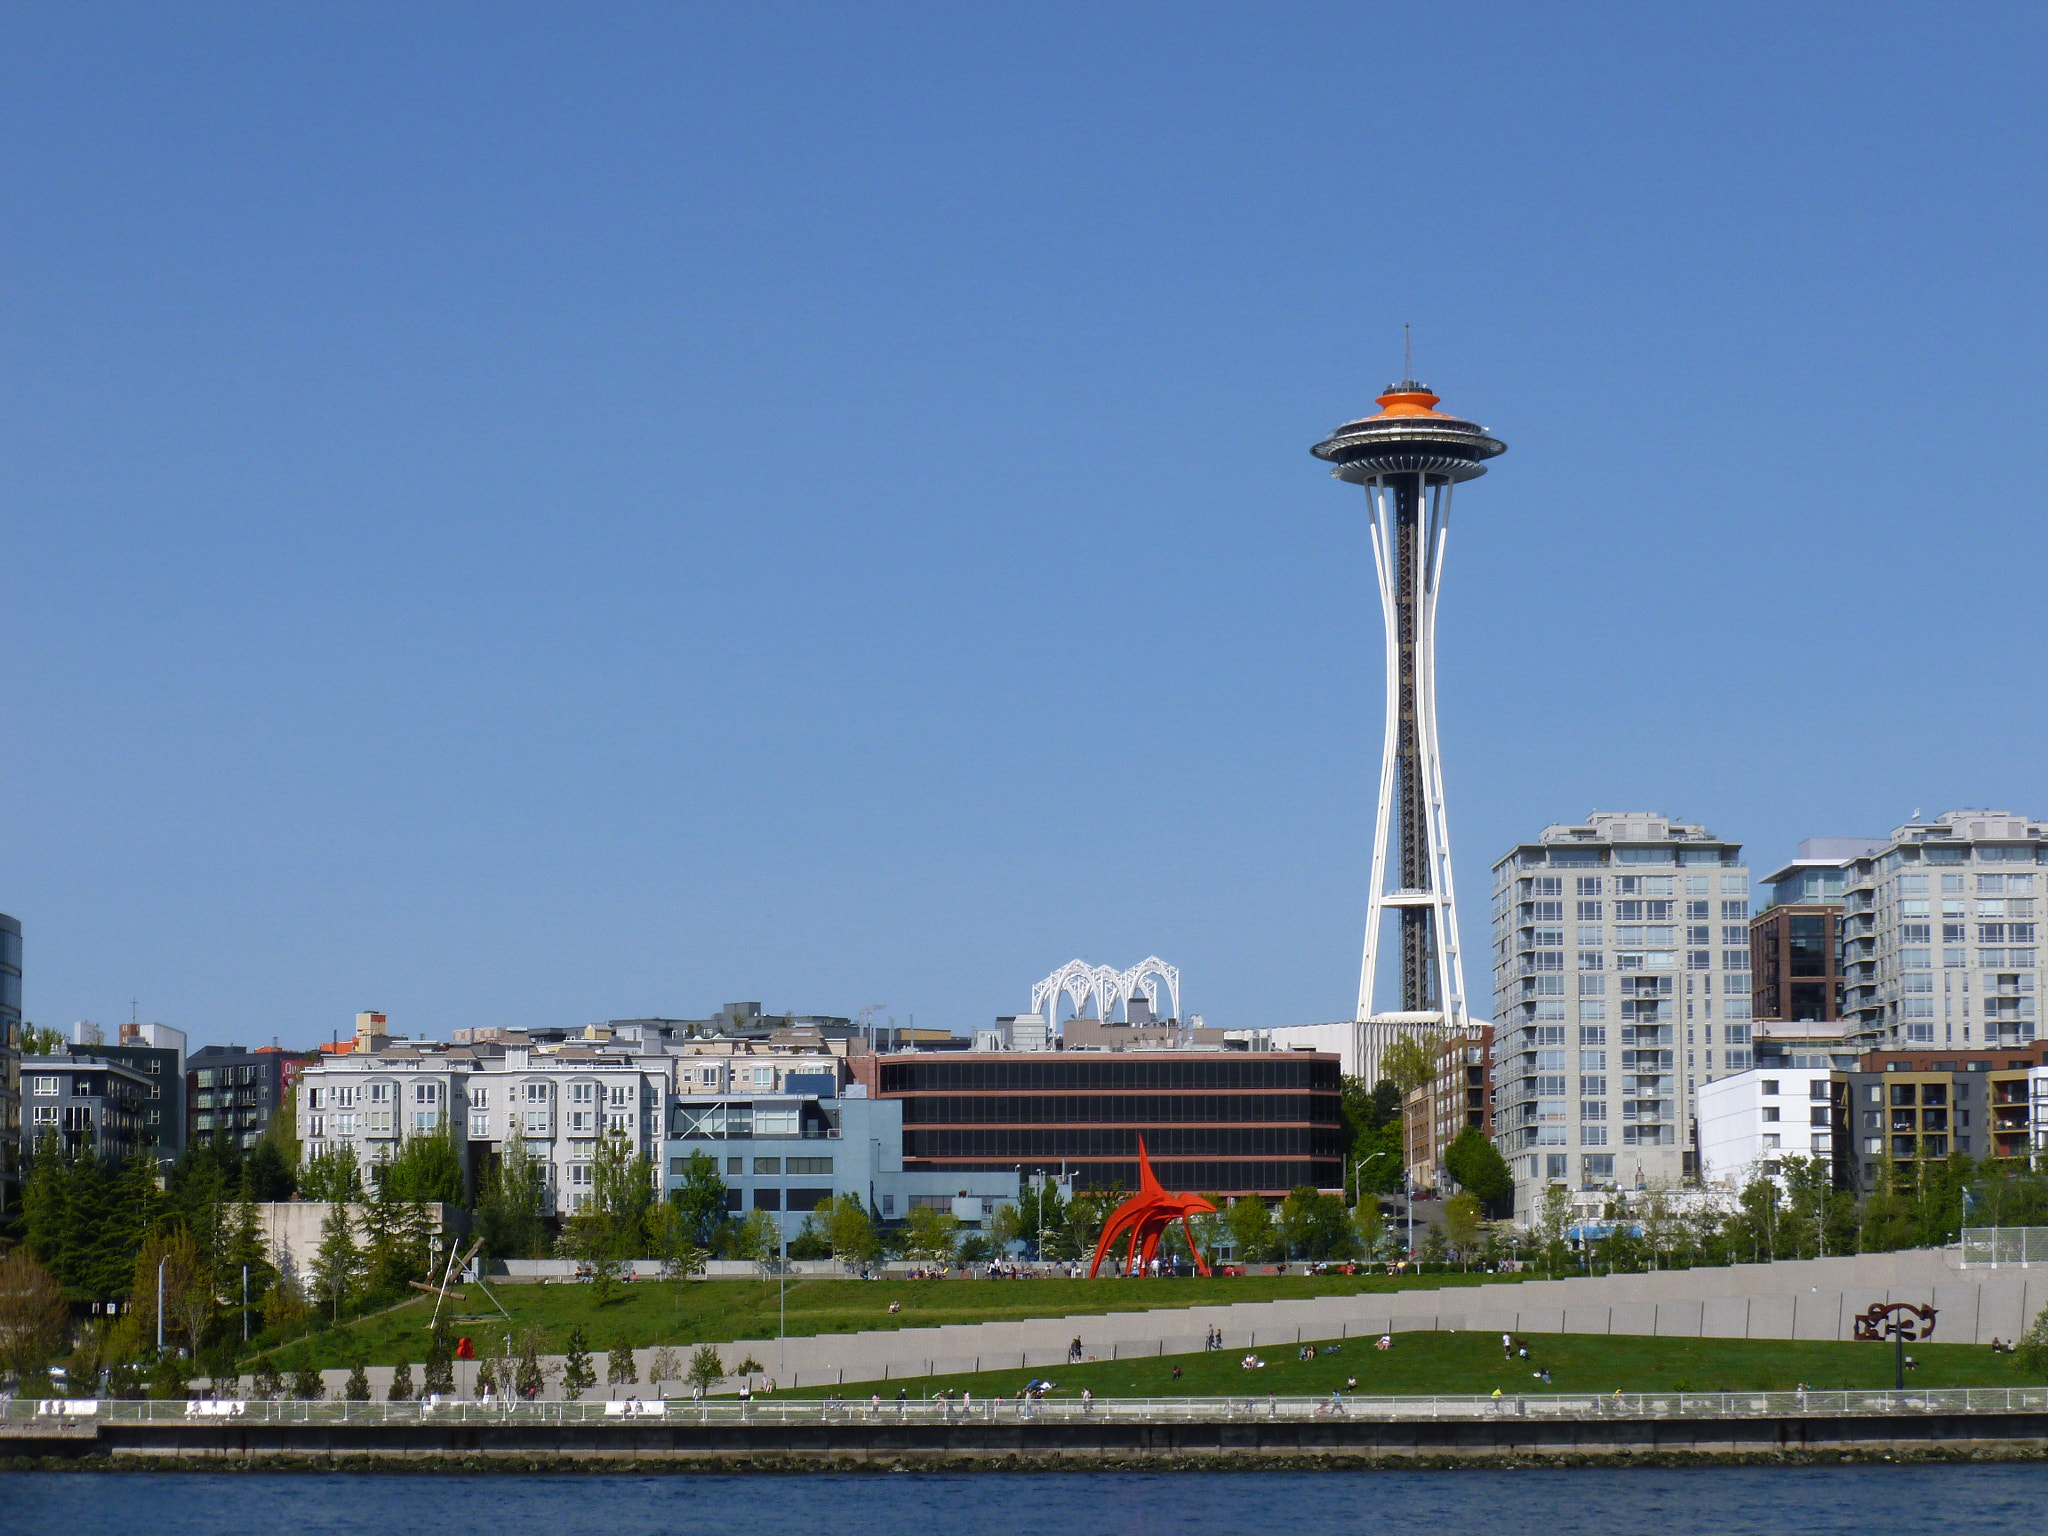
(1589, 885)
(536, 1093)
(1591, 960)
(479, 1127)
(426, 1093)
(46, 1086)
(480, 1098)
(582, 1093)
(380, 1093)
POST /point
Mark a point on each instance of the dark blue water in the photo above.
(1735, 1501)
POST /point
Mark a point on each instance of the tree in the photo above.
(38, 1041)
(707, 1370)
(668, 1240)
(809, 1242)
(701, 1199)
(1314, 1225)
(663, 1366)
(577, 1376)
(1413, 1059)
(168, 1379)
(1379, 1159)
(619, 1368)
(1042, 1221)
(1370, 1225)
(931, 1235)
(438, 1380)
(282, 1137)
(757, 1238)
(266, 1383)
(1480, 1169)
(32, 1314)
(401, 1382)
(306, 1382)
(332, 1175)
(850, 1231)
(1461, 1223)
(1552, 1221)
(2032, 1354)
(510, 1201)
(187, 1288)
(1251, 1229)
(336, 1263)
(528, 1379)
(270, 1176)
(357, 1388)
(428, 1168)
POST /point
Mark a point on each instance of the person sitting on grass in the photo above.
(1386, 1341)
(1252, 1363)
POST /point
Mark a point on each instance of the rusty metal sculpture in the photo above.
(1900, 1320)
(1142, 1220)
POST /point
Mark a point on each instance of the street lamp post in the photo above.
(160, 1263)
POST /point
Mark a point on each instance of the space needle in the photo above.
(1408, 458)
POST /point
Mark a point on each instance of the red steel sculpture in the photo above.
(1144, 1217)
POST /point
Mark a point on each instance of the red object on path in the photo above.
(1144, 1217)
(464, 1350)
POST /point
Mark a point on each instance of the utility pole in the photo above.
(160, 1263)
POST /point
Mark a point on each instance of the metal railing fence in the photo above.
(858, 1410)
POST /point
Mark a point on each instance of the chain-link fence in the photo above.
(1996, 1247)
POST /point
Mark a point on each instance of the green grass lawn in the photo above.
(1451, 1364)
(714, 1311)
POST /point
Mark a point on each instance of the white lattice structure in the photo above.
(1106, 987)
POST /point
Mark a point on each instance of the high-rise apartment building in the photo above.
(1940, 926)
(1621, 975)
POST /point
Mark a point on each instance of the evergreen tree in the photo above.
(401, 1382)
(136, 1209)
(270, 1176)
(306, 1382)
(619, 1368)
(439, 1378)
(266, 1383)
(577, 1376)
(486, 1378)
(357, 1389)
(336, 1265)
(529, 1380)
(44, 1199)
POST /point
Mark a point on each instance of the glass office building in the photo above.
(1228, 1122)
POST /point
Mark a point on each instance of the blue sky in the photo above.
(524, 514)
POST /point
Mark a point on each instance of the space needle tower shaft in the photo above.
(1409, 458)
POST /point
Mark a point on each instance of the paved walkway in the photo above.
(1794, 1299)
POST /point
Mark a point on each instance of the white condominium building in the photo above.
(1621, 980)
(1939, 934)
(558, 1101)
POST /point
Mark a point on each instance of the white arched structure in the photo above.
(1106, 987)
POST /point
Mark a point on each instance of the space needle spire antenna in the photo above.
(1408, 458)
